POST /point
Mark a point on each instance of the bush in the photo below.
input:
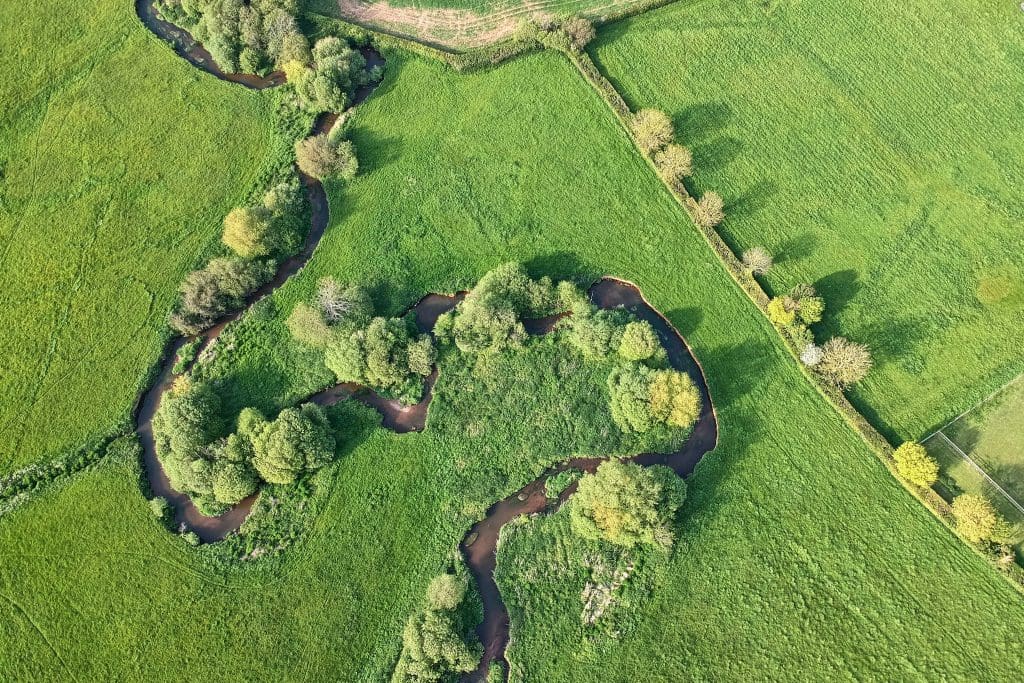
(652, 130)
(307, 326)
(710, 210)
(805, 302)
(915, 465)
(779, 313)
(579, 31)
(844, 362)
(299, 440)
(639, 341)
(233, 482)
(976, 518)
(626, 504)
(248, 232)
(221, 286)
(674, 162)
(757, 260)
(160, 507)
(432, 649)
(191, 537)
(190, 417)
(318, 157)
(446, 592)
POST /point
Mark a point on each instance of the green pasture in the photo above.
(798, 555)
(118, 161)
(874, 149)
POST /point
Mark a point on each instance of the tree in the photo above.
(811, 355)
(597, 333)
(626, 504)
(674, 162)
(318, 157)
(758, 260)
(218, 288)
(915, 465)
(805, 302)
(675, 400)
(233, 482)
(779, 313)
(579, 31)
(299, 440)
(432, 649)
(337, 302)
(248, 232)
(189, 417)
(629, 390)
(710, 210)
(446, 592)
(844, 362)
(639, 341)
(652, 129)
(975, 517)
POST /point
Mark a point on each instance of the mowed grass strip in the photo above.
(873, 150)
(118, 161)
(799, 556)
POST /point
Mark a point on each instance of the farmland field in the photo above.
(117, 163)
(872, 148)
(796, 548)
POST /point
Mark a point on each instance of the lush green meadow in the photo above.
(797, 549)
(118, 161)
(873, 148)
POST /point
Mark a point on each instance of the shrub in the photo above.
(652, 129)
(757, 260)
(432, 649)
(299, 440)
(915, 465)
(160, 507)
(811, 355)
(626, 504)
(674, 162)
(191, 537)
(805, 302)
(844, 362)
(975, 517)
(579, 31)
(221, 286)
(675, 400)
(710, 210)
(318, 157)
(248, 232)
(446, 592)
(307, 326)
(639, 341)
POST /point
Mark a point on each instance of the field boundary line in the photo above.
(975, 406)
(982, 472)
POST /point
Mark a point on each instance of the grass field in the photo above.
(797, 548)
(117, 163)
(871, 148)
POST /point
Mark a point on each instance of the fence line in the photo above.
(978, 467)
(974, 407)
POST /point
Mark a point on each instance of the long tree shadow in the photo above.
(838, 290)
(796, 248)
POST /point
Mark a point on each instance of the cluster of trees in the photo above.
(569, 35)
(655, 135)
(436, 639)
(242, 35)
(387, 354)
(642, 397)
(796, 311)
(628, 505)
(327, 83)
(490, 317)
(218, 469)
(257, 235)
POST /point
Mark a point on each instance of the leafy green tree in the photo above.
(233, 482)
(320, 158)
(976, 518)
(299, 440)
(675, 399)
(629, 389)
(189, 417)
(597, 333)
(844, 362)
(346, 357)
(580, 32)
(652, 129)
(338, 303)
(627, 505)
(779, 313)
(433, 650)
(915, 465)
(446, 592)
(248, 232)
(639, 341)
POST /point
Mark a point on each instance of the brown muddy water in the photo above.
(186, 515)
